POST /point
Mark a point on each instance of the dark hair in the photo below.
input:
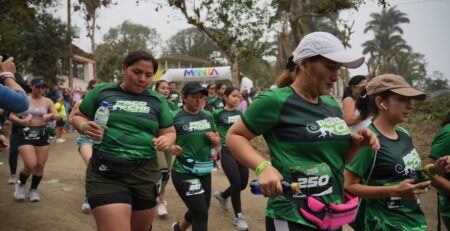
(138, 55)
(219, 85)
(159, 83)
(446, 120)
(355, 80)
(91, 83)
(366, 105)
(228, 92)
(172, 82)
(287, 77)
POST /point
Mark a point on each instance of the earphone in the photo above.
(384, 107)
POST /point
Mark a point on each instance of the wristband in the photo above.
(6, 74)
(261, 167)
(427, 170)
(83, 127)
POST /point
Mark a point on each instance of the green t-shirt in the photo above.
(308, 144)
(134, 120)
(172, 105)
(440, 148)
(191, 137)
(224, 119)
(215, 102)
(396, 161)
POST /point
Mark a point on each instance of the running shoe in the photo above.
(12, 179)
(85, 207)
(60, 140)
(162, 209)
(240, 222)
(176, 226)
(19, 193)
(34, 195)
(222, 201)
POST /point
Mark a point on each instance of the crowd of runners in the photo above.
(331, 163)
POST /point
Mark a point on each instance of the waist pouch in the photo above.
(195, 166)
(329, 215)
(110, 166)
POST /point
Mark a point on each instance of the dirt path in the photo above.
(62, 190)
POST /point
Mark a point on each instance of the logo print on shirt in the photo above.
(329, 126)
(103, 168)
(131, 106)
(197, 125)
(231, 119)
(411, 163)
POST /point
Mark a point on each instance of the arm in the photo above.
(362, 138)
(348, 110)
(23, 122)
(238, 141)
(53, 114)
(406, 189)
(439, 182)
(166, 137)
(74, 109)
(86, 126)
(214, 138)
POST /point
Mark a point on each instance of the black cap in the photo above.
(193, 87)
(38, 82)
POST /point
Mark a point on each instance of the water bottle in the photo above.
(287, 187)
(51, 130)
(101, 118)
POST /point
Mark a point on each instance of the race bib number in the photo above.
(314, 180)
(193, 187)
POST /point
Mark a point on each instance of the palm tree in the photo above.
(387, 42)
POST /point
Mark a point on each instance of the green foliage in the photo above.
(34, 38)
(435, 82)
(191, 42)
(430, 111)
(117, 43)
(258, 70)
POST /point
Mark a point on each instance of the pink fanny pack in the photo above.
(330, 216)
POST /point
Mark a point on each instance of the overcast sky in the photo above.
(427, 33)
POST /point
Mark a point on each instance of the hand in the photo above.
(270, 182)
(365, 138)
(4, 142)
(8, 65)
(48, 117)
(93, 131)
(176, 149)
(408, 190)
(211, 136)
(161, 143)
(441, 165)
(26, 121)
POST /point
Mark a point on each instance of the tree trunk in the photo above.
(235, 71)
(296, 12)
(92, 37)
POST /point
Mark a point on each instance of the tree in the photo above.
(388, 41)
(236, 26)
(33, 37)
(435, 82)
(191, 42)
(90, 11)
(410, 65)
(118, 42)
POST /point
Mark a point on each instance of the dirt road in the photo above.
(62, 191)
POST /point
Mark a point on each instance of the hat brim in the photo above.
(39, 84)
(345, 58)
(410, 92)
(202, 90)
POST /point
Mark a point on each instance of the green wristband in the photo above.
(261, 167)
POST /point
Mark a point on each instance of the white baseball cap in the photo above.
(328, 46)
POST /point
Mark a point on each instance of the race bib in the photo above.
(30, 133)
(314, 180)
(193, 187)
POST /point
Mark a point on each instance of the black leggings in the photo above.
(237, 174)
(197, 204)
(13, 152)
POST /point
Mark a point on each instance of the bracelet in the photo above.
(427, 170)
(261, 167)
(6, 74)
(83, 127)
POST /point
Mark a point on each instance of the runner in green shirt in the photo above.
(174, 95)
(439, 150)
(191, 170)
(307, 137)
(236, 173)
(391, 179)
(123, 173)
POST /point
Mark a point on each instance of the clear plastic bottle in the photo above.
(101, 118)
(288, 188)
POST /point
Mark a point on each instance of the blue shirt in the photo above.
(13, 101)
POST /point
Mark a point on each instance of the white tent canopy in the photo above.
(197, 74)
